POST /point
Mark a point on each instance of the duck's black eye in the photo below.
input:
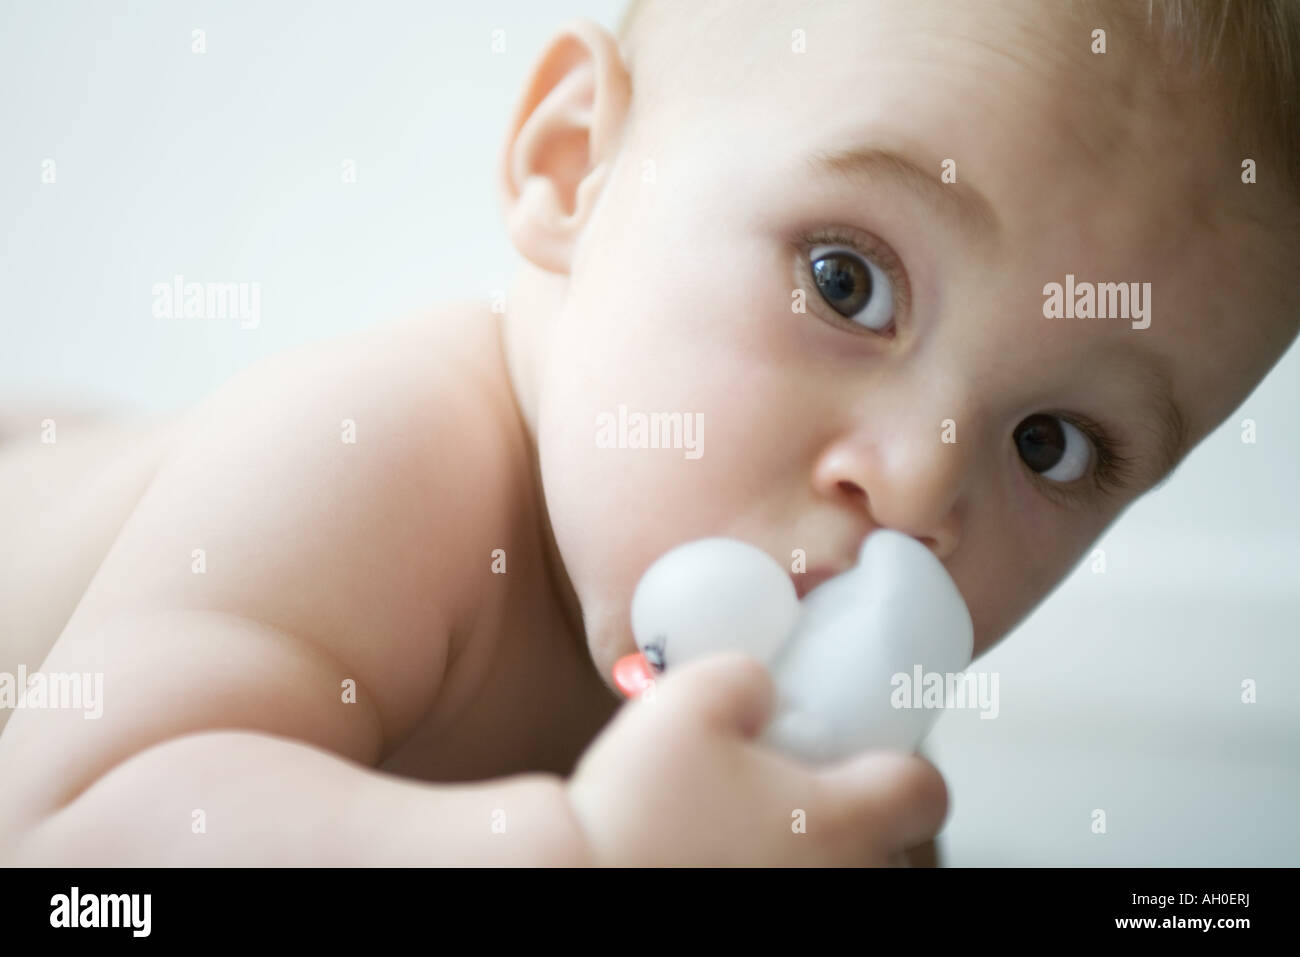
(853, 286)
(654, 653)
(1053, 447)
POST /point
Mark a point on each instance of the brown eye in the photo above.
(1053, 447)
(854, 287)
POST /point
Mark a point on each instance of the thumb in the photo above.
(892, 800)
(727, 691)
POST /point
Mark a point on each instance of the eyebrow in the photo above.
(876, 166)
(1170, 430)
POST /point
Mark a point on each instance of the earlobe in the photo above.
(562, 141)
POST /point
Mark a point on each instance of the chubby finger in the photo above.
(884, 802)
(728, 691)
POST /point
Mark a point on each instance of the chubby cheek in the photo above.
(663, 374)
(1009, 562)
(998, 593)
(616, 501)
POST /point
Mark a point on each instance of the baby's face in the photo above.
(920, 387)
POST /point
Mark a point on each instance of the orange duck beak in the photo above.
(633, 674)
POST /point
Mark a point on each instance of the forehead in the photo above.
(1002, 87)
(1104, 166)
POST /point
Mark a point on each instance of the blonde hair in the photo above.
(1247, 52)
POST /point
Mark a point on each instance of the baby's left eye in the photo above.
(1053, 447)
(853, 286)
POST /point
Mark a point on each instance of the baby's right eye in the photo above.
(853, 285)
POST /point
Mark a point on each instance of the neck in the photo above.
(532, 306)
(534, 300)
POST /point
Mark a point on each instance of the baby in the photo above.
(981, 273)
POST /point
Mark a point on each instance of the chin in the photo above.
(608, 637)
(603, 655)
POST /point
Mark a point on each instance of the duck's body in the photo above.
(835, 666)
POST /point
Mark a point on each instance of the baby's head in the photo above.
(822, 234)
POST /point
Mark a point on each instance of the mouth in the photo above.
(804, 582)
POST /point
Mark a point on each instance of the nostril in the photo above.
(930, 543)
(851, 489)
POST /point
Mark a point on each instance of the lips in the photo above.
(804, 582)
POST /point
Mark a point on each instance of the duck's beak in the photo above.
(633, 674)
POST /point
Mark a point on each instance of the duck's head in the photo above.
(711, 595)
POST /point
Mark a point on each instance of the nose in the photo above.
(910, 481)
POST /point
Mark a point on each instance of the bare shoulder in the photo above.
(306, 529)
(330, 493)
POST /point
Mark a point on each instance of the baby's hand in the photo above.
(678, 779)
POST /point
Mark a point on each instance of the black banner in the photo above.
(331, 906)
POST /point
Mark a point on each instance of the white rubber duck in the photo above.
(836, 657)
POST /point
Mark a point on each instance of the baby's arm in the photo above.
(224, 736)
(264, 798)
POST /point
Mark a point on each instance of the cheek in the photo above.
(676, 337)
(614, 507)
(654, 326)
(1007, 567)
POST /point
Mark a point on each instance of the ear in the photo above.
(562, 143)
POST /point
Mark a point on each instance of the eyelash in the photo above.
(1109, 476)
(1112, 469)
(868, 247)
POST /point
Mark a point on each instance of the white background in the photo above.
(1121, 693)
